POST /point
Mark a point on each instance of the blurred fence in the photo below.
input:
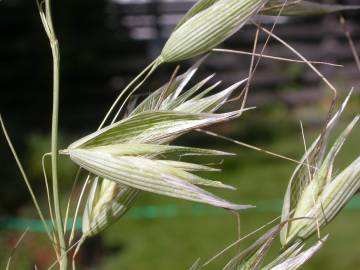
(105, 43)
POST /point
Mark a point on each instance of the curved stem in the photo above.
(48, 189)
(72, 233)
(149, 67)
(54, 153)
(154, 65)
(70, 197)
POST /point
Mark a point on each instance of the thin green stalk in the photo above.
(26, 179)
(47, 188)
(54, 152)
(332, 87)
(70, 197)
(72, 233)
(154, 65)
(54, 132)
(15, 247)
(149, 67)
(239, 240)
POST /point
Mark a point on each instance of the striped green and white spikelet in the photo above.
(315, 195)
(131, 155)
(313, 198)
(207, 25)
(106, 202)
(209, 22)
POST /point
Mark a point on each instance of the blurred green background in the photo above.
(101, 52)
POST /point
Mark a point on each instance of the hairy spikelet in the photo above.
(314, 198)
(130, 155)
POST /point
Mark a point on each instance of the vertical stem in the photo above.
(54, 134)
(54, 156)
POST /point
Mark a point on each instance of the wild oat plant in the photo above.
(135, 154)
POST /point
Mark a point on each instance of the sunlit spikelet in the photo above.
(207, 25)
(106, 202)
(314, 198)
(131, 155)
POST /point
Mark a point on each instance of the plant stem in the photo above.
(54, 156)
(54, 134)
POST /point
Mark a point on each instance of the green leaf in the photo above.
(303, 8)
